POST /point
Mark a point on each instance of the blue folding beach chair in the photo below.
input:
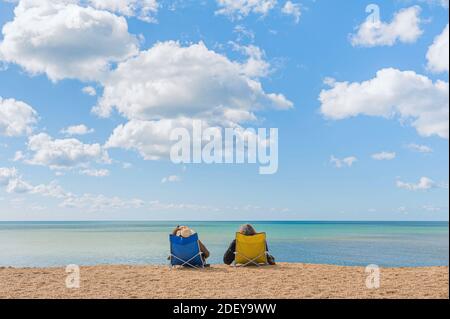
(185, 252)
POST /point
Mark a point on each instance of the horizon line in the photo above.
(230, 221)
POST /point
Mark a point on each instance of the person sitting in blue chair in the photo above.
(186, 249)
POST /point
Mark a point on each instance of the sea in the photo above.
(386, 244)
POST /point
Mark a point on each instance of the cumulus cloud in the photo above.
(194, 81)
(6, 174)
(392, 93)
(144, 10)
(95, 172)
(420, 148)
(292, 9)
(89, 90)
(384, 156)
(237, 9)
(405, 27)
(442, 3)
(157, 94)
(65, 40)
(171, 179)
(424, 183)
(10, 178)
(99, 203)
(255, 66)
(16, 117)
(438, 53)
(87, 202)
(433, 208)
(243, 33)
(18, 186)
(18, 156)
(77, 130)
(150, 138)
(14, 183)
(63, 153)
(344, 162)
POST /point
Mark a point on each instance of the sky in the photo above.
(90, 90)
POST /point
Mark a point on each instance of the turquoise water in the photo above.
(42, 244)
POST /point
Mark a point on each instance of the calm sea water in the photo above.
(42, 244)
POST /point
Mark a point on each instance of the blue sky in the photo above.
(366, 137)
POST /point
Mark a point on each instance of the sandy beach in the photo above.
(281, 281)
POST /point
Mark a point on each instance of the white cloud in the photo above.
(255, 66)
(13, 182)
(292, 9)
(156, 94)
(64, 40)
(18, 156)
(6, 174)
(127, 165)
(420, 148)
(405, 27)
(194, 81)
(95, 172)
(85, 202)
(77, 130)
(344, 162)
(171, 179)
(18, 186)
(237, 9)
(150, 138)
(442, 3)
(243, 33)
(16, 118)
(89, 90)
(392, 93)
(433, 209)
(144, 10)
(384, 156)
(100, 203)
(63, 153)
(53, 189)
(438, 53)
(424, 183)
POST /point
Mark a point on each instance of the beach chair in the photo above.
(185, 252)
(251, 250)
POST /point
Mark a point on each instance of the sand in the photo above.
(281, 281)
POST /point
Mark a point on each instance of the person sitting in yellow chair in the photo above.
(249, 237)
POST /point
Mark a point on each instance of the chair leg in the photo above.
(252, 261)
(188, 262)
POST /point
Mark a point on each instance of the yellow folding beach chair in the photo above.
(251, 250)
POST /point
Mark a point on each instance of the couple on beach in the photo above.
(229, 256)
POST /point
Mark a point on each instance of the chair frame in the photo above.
(187, 262)
(251, 261)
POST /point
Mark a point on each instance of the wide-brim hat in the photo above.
(185, 232)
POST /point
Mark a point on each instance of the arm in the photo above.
(228, 258)
(270, 258)
(203, 249)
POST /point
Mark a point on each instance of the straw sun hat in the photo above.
(185, 232)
